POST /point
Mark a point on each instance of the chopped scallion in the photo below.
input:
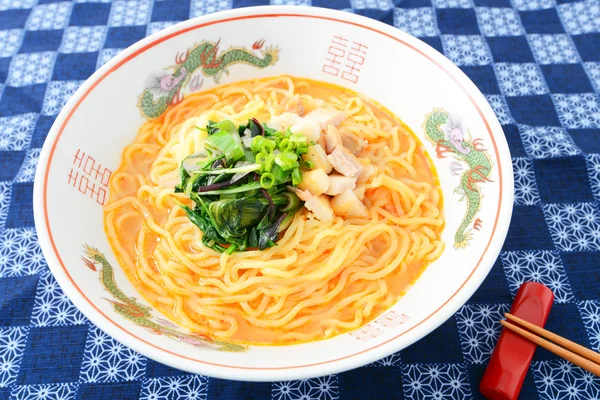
(267, 180)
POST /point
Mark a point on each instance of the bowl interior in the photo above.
(406, 76)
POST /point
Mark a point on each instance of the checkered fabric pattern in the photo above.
(536, 61)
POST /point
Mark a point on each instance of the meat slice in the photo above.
(320, 207)
(339, 184)
(352, 142)
(366, 174)
(303, 195)
(344, 162)
(332, 138)
(295, 105)
(283, 121)
(326, 117)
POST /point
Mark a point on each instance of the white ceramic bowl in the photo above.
(408, 77)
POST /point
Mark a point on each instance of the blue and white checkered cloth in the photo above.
(537, 62)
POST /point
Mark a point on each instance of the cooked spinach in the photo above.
(240, 192)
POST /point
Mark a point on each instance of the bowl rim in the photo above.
(350, 361)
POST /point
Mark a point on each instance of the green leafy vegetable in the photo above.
(228, 143)
(296, 177)
(235, 189)
(234, 170)
(240, 188)
(279, 175)
(236, 214)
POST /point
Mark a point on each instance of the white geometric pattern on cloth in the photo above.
(20, 253)
(581, 17)
(558, 380)
(553, 49)
(52, 307)
(479, 330)
(106, 55)
(12, 346)
(500, 108)
(364, 4)
(49, 16)
(529, 5)
(57, 95)
(82, 39)
(495, 21)
(452, 3)
(63, 391)
(590, 314)
(520, 79)
(467, 44)
(547, 141)
(203, 7)
(526, 191)
(435, 381)
(419, 22)
(188, 387)
(578, 110)
(5, 189)
(10, 40)
(593, 167)
(574, 227)
(106, 360)
(393, 360)
(291, 2)
(544, 267)
(15, 132)
(129, 12)
(466, 49)
(15, 4)
(593, 70)
(31, 68)
(324, 388)
(154, 27)
(378, 4)
(27, 171)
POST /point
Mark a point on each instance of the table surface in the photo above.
(536, 61)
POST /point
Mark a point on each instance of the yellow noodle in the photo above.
(322, 278)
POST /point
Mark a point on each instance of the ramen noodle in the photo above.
(323, 276)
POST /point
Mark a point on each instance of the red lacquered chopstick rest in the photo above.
(510, 360)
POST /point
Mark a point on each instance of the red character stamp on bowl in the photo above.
(391, 319)
(353, 53)
(89, 177)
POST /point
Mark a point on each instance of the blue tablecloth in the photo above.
(537, 62)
